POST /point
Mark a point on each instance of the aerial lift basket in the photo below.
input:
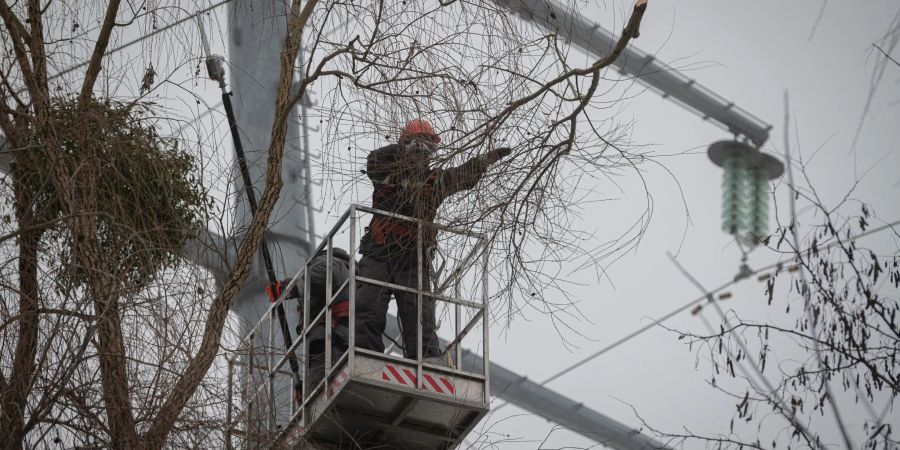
(369, 399)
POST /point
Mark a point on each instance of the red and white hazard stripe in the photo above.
(407, 377)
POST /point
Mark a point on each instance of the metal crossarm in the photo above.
(646, 68)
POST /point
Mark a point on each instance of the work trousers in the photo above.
(372, 306)
(339, 338)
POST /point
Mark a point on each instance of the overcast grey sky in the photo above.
(748, 52)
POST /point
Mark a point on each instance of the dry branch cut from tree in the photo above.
(97, 350)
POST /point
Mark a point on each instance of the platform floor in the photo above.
(378, 405)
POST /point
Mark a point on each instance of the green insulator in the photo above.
(745, 190)
(736, 204)
(759, 226)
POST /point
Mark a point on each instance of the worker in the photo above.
(340, 311)
(405, 183)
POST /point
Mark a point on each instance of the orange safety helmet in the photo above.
(419, 127)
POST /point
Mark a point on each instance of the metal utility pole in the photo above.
(216, 71)
(670, 83)
(256, 32)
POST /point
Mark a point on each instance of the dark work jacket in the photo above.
(411, 192)
(318, 277)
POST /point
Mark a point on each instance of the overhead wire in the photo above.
(698, 300)
(812, 318)
(772, 395)
(141, 38)
(742, 276)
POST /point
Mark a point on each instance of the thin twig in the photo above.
(772, 392)
(792, 208)
(886, 55)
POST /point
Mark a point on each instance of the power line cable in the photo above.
(674, 312)
(149, 35)
(141, 38)
(689, 304)
(772, 395)
(811, 317)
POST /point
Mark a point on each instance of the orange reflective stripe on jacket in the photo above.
(382, 225)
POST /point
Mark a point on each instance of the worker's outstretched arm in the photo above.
(467, 175)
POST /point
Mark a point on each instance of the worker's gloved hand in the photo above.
(273, 290)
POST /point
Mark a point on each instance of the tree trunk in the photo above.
(15, 390)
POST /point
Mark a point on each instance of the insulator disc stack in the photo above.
(745, 189)
(759, 211)
(734, 200)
